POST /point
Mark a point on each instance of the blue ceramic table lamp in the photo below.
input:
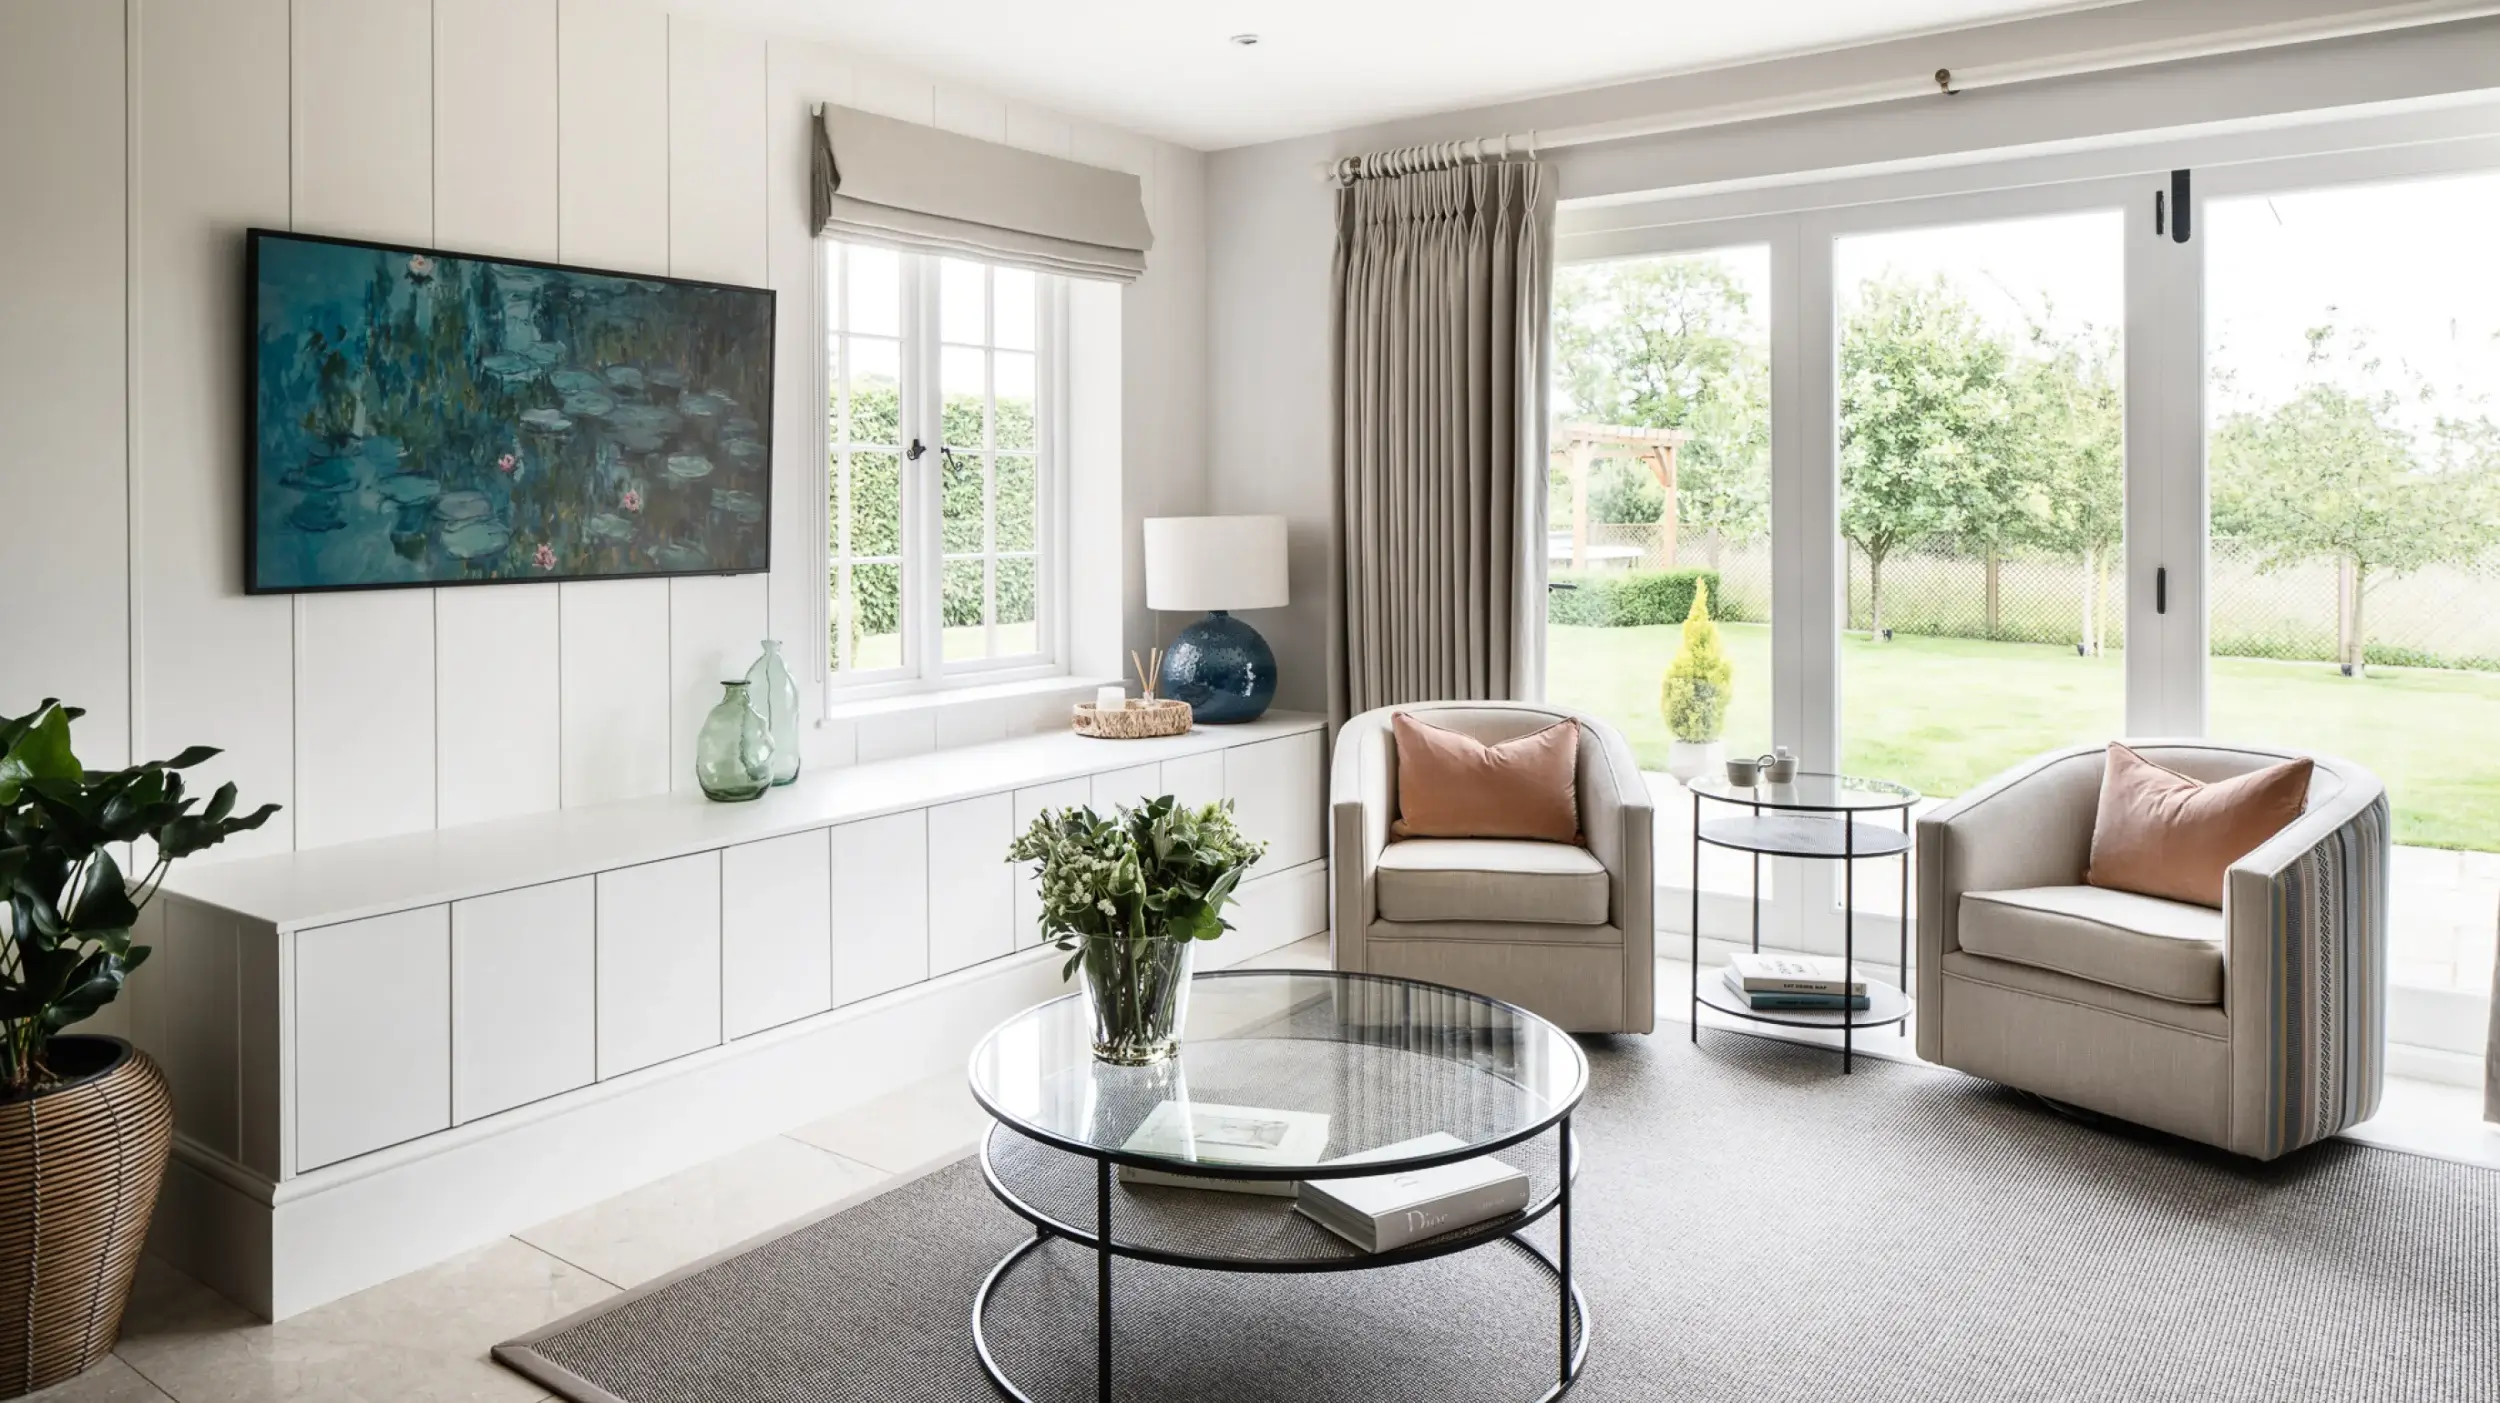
(1219, 665)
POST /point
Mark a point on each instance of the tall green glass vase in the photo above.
(777, 696)
(733, 757)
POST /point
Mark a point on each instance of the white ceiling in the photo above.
(1167, 68)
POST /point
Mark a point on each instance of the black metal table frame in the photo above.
(1572, 1336)
(1848, 860)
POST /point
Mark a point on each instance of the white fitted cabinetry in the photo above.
(524, 1021)
(659, 962)
(388, 1050)
(776, 915)
(972, 907)
(373, 1030)
(880, 905)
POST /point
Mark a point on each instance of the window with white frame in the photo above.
(943, 412)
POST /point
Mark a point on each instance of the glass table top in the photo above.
(1819, 793)
(1280, 1072)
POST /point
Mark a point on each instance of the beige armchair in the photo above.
(2259, 1027)
(1563, 931)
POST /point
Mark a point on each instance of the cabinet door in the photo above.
(523, 995)
(659, 962)
(1195, 780)
(972, 906)
(1133, 786)
(776, 931)
(880, 905)
(1030, 805)
(372, 1034)
(1275, 786)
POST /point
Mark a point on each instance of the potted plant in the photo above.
(1128, 897)
(1696, 693)
(85, 1120)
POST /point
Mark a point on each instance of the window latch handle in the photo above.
(915, 452)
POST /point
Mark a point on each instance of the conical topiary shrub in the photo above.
(1698, 680)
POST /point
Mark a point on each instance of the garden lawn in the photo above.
(1942, 714)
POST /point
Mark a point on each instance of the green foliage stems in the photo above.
(1696, 693)
(1626, 598)
(70, 911)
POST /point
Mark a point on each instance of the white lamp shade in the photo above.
(1197, 563)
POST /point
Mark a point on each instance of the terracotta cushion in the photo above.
(1455, 786)
(2159, 833)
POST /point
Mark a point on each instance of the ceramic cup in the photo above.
(1744, 774)
(1779, 768)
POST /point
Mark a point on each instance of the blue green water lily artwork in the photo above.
(427, 418)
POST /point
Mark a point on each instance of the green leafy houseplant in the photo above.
(70, 910)
(1127, 897)
(1695, 696)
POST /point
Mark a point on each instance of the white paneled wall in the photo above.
(146, 136)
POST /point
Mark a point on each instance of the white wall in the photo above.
(143, 138)
(1271, 224)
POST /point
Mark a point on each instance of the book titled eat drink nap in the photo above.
(1206, 1132)
(1384, 1212)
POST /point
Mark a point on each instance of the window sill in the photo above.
(939, 699)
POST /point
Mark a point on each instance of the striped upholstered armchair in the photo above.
(2257, 1027)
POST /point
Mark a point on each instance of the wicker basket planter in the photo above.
(79, 1168)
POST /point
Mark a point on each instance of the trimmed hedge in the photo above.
(1626, 598)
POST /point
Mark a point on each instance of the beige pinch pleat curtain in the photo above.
(1437, 576)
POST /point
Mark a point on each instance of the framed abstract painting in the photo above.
(420, 418)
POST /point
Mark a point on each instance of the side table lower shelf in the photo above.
(1885, 1006)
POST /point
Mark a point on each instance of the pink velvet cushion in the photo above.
(1455, 786)
(2160, 833)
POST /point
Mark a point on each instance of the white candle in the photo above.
(1110, 698)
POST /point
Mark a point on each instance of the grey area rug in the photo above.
(1751, 1226)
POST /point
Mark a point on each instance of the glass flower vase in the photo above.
(1138, 993)
(733, 756)
(777, 696)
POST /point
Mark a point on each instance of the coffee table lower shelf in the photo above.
(1041, 1183)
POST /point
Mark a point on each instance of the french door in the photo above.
(2184, 452)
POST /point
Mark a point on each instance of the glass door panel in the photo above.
(1659, 491)
(2353, 576)
(1982, 495)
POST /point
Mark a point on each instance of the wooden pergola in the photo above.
(1578, 447)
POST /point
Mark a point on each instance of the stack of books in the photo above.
(1791, 982)
(1206, 1132)
(1384, 1212)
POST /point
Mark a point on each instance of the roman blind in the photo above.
(883, 181)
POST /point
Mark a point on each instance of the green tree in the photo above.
(2069, 456)
(1664, 343)
(2331, 474)
(1695, 695)
(1926, 423)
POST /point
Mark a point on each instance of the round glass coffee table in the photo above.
(1813, 816)
(1340, 1064)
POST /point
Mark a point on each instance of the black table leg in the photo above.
(1693, 1011)
(1848, 936)
(1102, 1280)
(1757, 893)
(1902, 1028)
(1562, 1210)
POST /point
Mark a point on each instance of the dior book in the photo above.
(1206, 1132)
(1383, 1212)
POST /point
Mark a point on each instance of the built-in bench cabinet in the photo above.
(387, 1011)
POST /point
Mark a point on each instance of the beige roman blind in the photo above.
(883, 181)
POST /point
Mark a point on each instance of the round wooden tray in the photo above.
(1138, 720)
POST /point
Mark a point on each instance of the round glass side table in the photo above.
(1816, 817)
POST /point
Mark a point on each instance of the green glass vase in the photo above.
(777, 696)
(733, 757)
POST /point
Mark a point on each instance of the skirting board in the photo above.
(280, 1251)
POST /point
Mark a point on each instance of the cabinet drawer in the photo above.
(880, 905)
(1275, 787)
(776, 931)
(373, 1034)
(972, 906)
(659, 962)
(523, 996)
